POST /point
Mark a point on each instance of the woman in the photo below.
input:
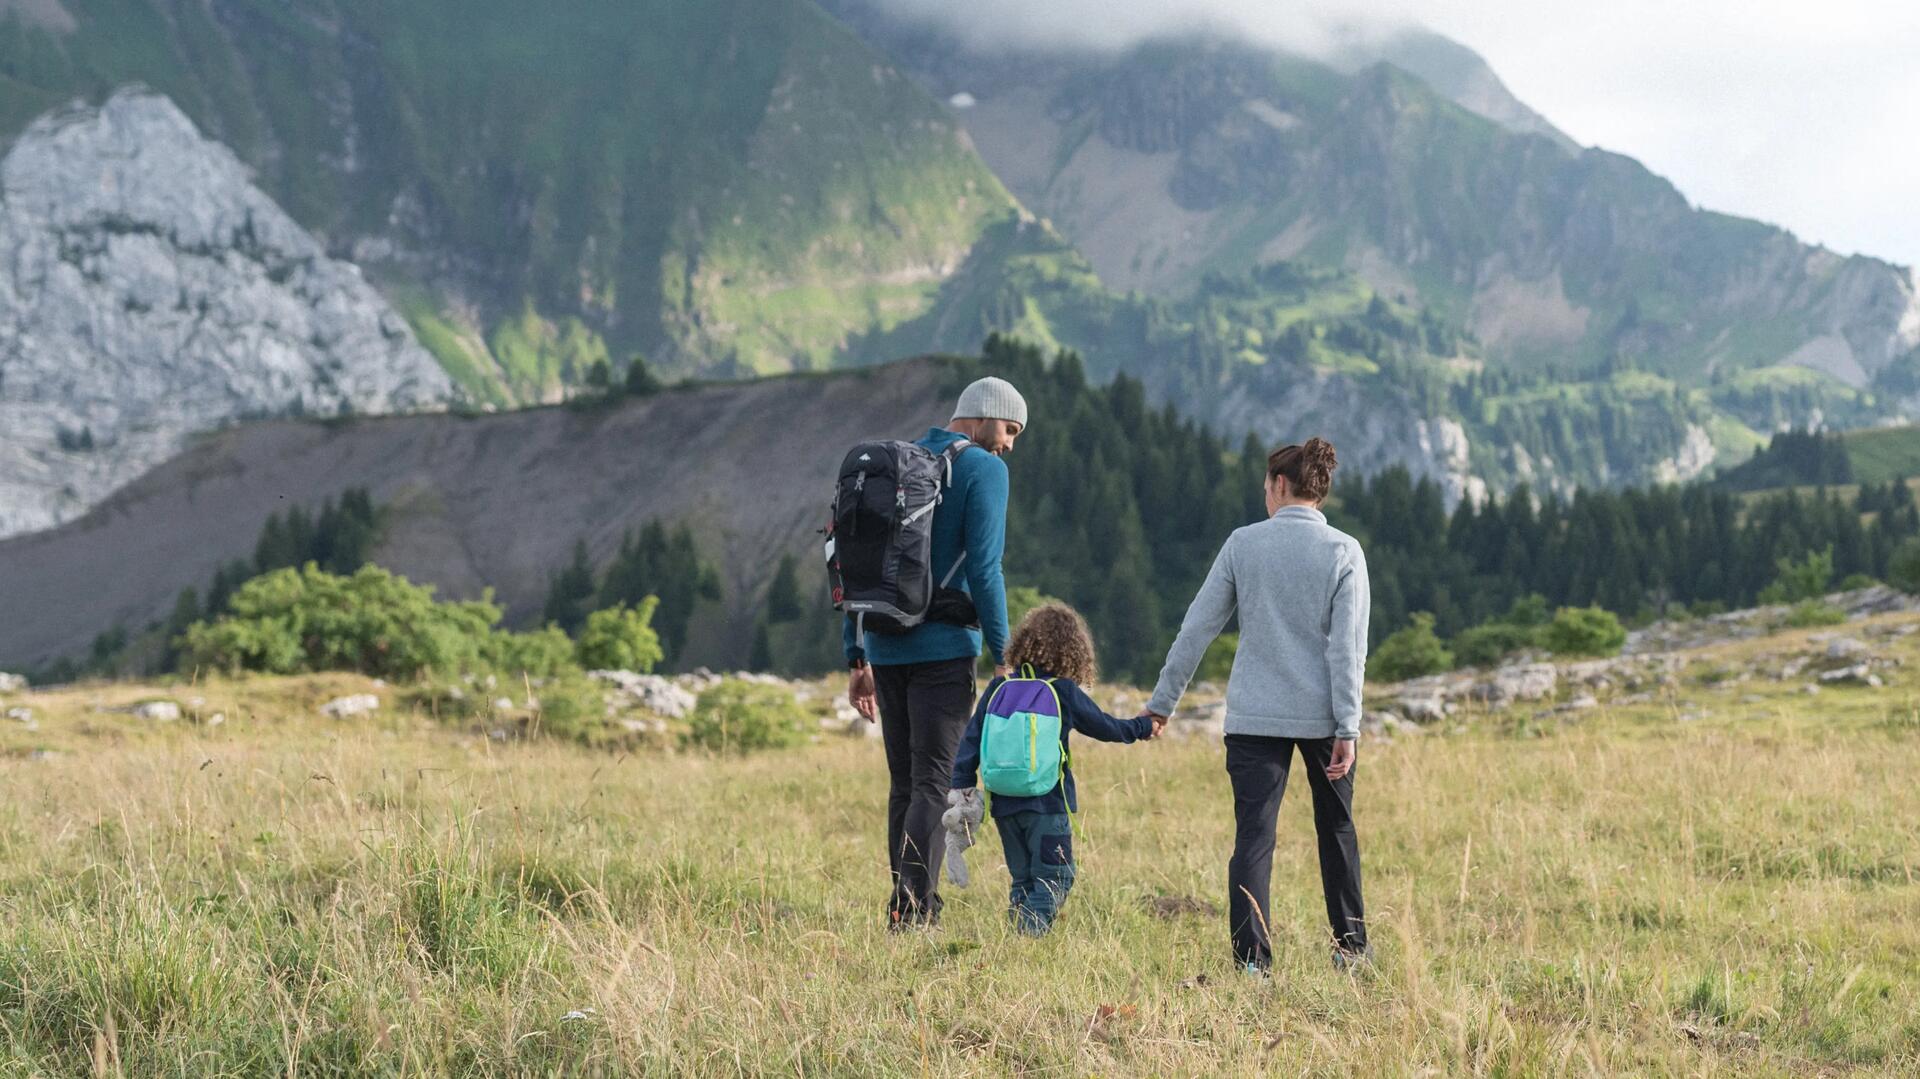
(1300, 587)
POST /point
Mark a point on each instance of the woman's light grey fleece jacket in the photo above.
(1301, 589)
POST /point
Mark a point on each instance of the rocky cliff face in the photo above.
(149, 291)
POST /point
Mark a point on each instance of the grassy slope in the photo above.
(1635, 892)
(1885, 453)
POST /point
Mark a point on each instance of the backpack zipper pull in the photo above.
(860, 481)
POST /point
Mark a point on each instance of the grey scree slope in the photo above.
(494, 499)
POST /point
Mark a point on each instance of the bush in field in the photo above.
(573, 707)
(1410, 652)
(1811, 612)
(540, 653)
(1802, 580)
(741, 717)
(1584, 631)
(620, 638)
(1529, 611)
(1489, 643)
(293, 621)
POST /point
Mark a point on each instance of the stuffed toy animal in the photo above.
(965, 810)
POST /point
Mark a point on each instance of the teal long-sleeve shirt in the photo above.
(971, 517)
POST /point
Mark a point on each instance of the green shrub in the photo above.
(1410, 652)
(1489, 643)
(540, 653)
(573, 707)
(1805, 579)
(1812, 612)
(620, 638)
(741, 717)
(1853, 582)
(1584, 631)
(294, 621)
(1527, 611)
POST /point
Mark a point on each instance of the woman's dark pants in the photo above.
(1258, 768)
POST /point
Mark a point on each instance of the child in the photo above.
(1035, 831)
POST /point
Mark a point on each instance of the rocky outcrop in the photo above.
(1678, 634)
(149, 291)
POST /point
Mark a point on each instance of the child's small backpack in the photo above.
(1020, 751)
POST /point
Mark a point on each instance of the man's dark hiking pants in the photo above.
(924, 708)
(1258, 768)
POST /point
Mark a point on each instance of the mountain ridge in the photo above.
(1219, 154)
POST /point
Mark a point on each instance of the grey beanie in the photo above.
(991, 399)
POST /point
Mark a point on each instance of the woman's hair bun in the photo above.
(1308, 468)
(1319, 454)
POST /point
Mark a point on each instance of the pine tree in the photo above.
(783, 596)
(570, 592)
(640, 381)
(760, 657)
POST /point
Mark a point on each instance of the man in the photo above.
(921, 681)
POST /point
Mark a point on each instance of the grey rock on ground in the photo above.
(1423, 709)
(653, 692)
(12, 683)
(1527, 682)
(357, 704)
(1859, 674)
(158, 711)
(149, 291)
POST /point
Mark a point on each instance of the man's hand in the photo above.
(1001, 670)
(1342, 762)
(860, 692)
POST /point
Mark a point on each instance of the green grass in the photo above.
(1884, 453)
(1625, 892)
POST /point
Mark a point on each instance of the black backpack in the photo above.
(880, 539)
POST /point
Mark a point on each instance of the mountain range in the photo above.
(1382, 244)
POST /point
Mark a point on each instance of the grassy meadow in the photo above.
(1720, 880)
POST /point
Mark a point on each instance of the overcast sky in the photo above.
(1803, 114)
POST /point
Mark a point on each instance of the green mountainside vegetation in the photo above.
(740, 187)
(729, 186)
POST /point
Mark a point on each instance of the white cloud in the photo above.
(1806, 115)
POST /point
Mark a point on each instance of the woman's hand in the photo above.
(860, 692)
(1342, 762)
(1159, 723)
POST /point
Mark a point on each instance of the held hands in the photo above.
(1342, 762)
(1159, 724)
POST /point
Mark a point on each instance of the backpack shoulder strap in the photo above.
(951, 454)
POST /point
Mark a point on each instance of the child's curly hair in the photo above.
(1055, 639)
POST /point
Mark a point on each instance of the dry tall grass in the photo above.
(1628, 893)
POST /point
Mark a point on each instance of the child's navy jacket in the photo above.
(1078, 713)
